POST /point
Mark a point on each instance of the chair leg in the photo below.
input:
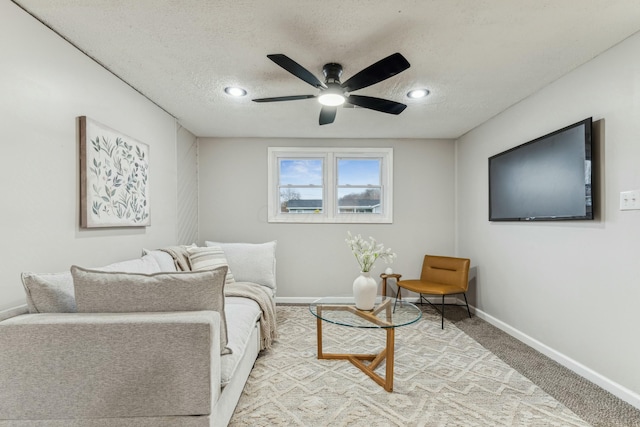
(465, 301)
(442, 317)
(398, 297)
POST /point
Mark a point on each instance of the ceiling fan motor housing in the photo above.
(332, 72)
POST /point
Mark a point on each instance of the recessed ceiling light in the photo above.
(235, 91)
(418, 93)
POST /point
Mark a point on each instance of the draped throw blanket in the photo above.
(258, 293)
(180, 257)
(261, 295)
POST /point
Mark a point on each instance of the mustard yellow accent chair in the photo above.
(441, 275)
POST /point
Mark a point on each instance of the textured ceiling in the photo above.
(477, 57)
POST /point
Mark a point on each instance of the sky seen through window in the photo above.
(307, 172)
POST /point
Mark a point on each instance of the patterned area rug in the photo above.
(441, 378)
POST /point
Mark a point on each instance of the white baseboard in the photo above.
(295, 300)
(612, 387)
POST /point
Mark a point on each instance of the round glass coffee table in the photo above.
(388, 314)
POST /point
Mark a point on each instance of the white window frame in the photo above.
(330, 156)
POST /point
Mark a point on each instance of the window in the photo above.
(335, 185)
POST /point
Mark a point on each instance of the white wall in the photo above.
(313, 259)
(187, 187)
(45, 83)
(570, 288)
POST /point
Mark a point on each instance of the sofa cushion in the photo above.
(242, 315)
(251, 262)
(53, 292)
(116, 292)
(209, 258)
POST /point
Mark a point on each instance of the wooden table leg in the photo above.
(387, 354)
(389, 366)
(319, 334)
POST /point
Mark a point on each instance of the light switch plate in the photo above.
(630, 200)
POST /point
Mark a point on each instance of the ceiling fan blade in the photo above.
(284, 98)
(296, 69)
(375, 73)
(327, 115)
(378, 104)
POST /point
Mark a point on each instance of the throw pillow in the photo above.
(147, 264)
(209, 258)
(164, 260)
(251, 262)
(114, 292)
(53, 292)
(49, 293)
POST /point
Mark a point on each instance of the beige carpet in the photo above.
(442, 378)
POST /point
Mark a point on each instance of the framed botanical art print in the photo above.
(114, 177)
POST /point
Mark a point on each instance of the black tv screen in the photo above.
(546, 179)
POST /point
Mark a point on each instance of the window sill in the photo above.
(319, 219)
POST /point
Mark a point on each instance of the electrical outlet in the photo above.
(630, 200)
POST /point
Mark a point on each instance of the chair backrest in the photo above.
(446, 270)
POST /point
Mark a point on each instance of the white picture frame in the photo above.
(114, 177)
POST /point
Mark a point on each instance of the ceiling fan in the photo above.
(333, 93)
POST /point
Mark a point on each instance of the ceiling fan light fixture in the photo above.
(333, 96)
(418, 93)
(235, 91)
(331, 99)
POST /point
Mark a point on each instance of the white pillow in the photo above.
(251, 262)
(146, 265)
(164, 260)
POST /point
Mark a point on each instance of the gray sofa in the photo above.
(131, 369)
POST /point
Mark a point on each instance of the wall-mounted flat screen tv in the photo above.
(546, 179)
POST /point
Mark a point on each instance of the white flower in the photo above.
(367, 252)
